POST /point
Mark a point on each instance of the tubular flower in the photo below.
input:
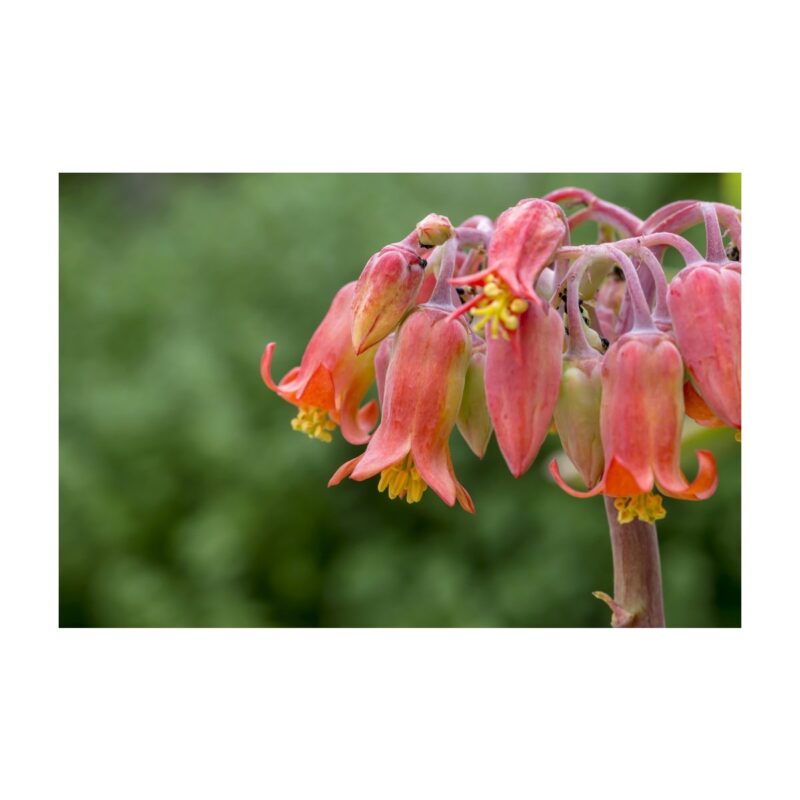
(331, 380)
(524, 242)
(522, 381)
(474, 422)
(386, 290)
(577, 416)
(421, 398)
(705, 304)
(641, 415)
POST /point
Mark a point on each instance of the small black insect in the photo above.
(733, 253)
(423, 263)
(604, 342)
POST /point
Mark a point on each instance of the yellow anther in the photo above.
(646, 507)
(403, 480)
(314, 422)
(738, 435)
(498, 308)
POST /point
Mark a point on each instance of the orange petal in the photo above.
(702, 487)
(344, 471)
(620, 481)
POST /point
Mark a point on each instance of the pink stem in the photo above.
(642, 319)
(638, 598)
(661, 314)
(715, 248)
(578, 344)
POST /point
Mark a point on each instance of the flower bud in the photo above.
(434, 230)
(385, 291)
(474, 422)
(577, 416)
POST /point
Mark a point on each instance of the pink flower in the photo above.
(522, 383)
(331, 380)
(641, 417)
(705, 304)
(421, 398)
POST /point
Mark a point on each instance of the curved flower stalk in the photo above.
(603, 213)
(331, 380)
(641, 418)
(410, 449)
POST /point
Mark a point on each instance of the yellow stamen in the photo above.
(403, 480)
(498, 308)
(646, 507)
(738, 435)
(314, 422)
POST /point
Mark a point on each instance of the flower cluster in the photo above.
(503, 327)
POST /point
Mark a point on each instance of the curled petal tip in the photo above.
(555, 472)
(266, 362)
(344, 471)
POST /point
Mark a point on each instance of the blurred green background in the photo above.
(187, 500)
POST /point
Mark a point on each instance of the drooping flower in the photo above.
(522, 381)
(385, 291)
(474, 421)
(705, 305)
(641, 417)
(331, 380)
(421, 398)
(524, 242)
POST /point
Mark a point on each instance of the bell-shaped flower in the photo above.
(705, 305)
(641, 418)
(421, 398)
(386, 290)
(474, 422)
(522, 382)
(524, 242)
(331, 380)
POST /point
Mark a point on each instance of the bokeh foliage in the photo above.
(185, 497)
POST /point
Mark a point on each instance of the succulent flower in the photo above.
(385, 292)
(331, 380)
(705, 304)
(410, 449)
(522, 381)
(524, 242)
